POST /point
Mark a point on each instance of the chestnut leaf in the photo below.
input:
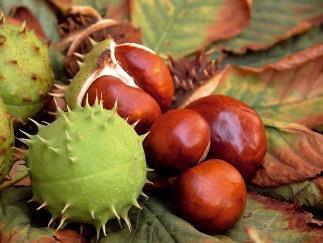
(263, 219)
(20, 223)
(295, 154)
(288, 95)
(294, 94)
(271, 23)
(180, 27)
(282, 55)
(307, 193)
(156, 223)
(269, 220)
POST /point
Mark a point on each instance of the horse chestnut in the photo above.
(211, 196)
(133, 103)
(129, 74)
(148, 70)
(237, 132)
(178, 140)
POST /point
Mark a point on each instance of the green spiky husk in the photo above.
(90, 65)
(6, 141)
(91, 160)
(25, 71)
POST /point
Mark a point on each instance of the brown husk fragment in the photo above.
(77, 18)
(101, 30)
(190, 73)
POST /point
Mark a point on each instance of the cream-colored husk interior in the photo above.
(114, 70)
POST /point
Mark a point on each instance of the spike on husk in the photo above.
(25, 77)
(86, 164)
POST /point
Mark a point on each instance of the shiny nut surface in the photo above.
(149, 72)
(178, 139)
(237, 132)
(211, 196)
(133, 103)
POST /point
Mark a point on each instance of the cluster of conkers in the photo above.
(128, 74)
(213, 144)
(210, 194)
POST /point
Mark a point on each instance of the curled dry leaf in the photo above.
(271, 23)
(181, 27)
(290, 102)
(295, 154)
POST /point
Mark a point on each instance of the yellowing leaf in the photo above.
(180, 27)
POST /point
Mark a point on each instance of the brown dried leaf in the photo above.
(295, 154)
(118, 10)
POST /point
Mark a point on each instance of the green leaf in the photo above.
(307, 193)
(275, 221)
(180, 27)
(16, 224)
(155, 223)
(40, 10)
(272, 22)
(290, 48)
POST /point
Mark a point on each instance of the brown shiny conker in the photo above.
(178, 140)
(237, 132)
(211, 196)
(132, 103)
(148, 70)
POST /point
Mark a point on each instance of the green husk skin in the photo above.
(25, 72)
(90, 65)
(6, 141)
(91, 160)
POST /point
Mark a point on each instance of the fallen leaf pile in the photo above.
(266, 53)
